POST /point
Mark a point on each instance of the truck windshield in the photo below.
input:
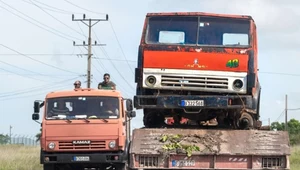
(198, 31)
(82, 108)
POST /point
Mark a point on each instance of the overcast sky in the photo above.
(44, 32)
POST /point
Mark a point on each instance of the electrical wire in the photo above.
(120, 46)
(21, 75)
(37, 88)
(56, 18)
(38, 60)
(83, 8)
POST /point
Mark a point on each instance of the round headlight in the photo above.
(112, 144)
(238, 84)
(51, 145)
(150, 81)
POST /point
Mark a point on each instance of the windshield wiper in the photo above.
(68, 120)
(104, 120)
(86, 119)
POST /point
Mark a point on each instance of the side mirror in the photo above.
(131, 114)
(129, 106)
(36, 107)
(35, 116)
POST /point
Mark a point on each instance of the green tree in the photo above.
(293, 129)
(277, 126)
(4, 139)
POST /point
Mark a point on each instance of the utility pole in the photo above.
(10, 127)
(269, 122)
(90, 25)
(286, 108)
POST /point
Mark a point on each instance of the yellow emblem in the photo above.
(196, 65)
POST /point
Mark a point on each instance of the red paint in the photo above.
(198, 14)
(184, 60)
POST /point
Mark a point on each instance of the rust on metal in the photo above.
(198, 14)
(215, 142)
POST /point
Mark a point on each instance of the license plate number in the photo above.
(183, 163)
(192, 103)
(81, 158)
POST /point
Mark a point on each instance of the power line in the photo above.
(38, 60)
(90, 25)
(35, 24)
(55, 18)
(38, 88)
(120, 46)
(101, 64)
(20, 68)
(279, 116)
(287, 74)
(21, 75)
(58, 10)
(66, 54)
(83, 8)
(46, 91)
(106, 54)
(35, 20)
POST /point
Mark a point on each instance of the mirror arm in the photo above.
(38, 122)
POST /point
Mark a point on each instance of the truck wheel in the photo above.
(121, 167)
(49, 167)
(153, 118)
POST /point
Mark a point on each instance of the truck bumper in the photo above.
(177, 101)
(83, 158)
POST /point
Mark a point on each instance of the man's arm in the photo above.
(99, 86)
(113, 85)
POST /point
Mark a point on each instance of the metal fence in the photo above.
(27, 140)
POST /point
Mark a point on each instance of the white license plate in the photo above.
(192, 103)
(183, 163)
(81, 158)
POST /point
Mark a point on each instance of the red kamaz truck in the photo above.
(203, 68)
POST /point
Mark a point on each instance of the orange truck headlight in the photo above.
(112, 144)
(51, 145)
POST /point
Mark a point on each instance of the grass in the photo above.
(16, 157)
(295, 158)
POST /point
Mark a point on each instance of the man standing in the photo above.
(107, 84)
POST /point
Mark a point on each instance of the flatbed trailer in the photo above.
(217, 149)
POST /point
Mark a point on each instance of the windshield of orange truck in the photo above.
(198, 31)
(82, 108)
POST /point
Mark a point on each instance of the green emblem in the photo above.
(232, 63)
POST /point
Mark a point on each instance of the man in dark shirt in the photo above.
(107, 84)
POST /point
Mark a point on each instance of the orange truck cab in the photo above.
(200, 66)
(84, 128)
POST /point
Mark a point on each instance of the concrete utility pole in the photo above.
(90, 25)
(10, 127)
(286, 108)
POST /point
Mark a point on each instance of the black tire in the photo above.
(153, 118)
(49, 167)
(247, 116)
(121, 167)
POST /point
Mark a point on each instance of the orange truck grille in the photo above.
(68, 145)
(194, 82)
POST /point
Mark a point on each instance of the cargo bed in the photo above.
(216, 149)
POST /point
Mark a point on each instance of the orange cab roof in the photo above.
(198, 14)
(84, 92)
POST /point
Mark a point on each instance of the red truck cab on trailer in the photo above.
(199, 66)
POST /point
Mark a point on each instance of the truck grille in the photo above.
(67, 145)
(272, 162)
(148, 161)
(194, 82)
